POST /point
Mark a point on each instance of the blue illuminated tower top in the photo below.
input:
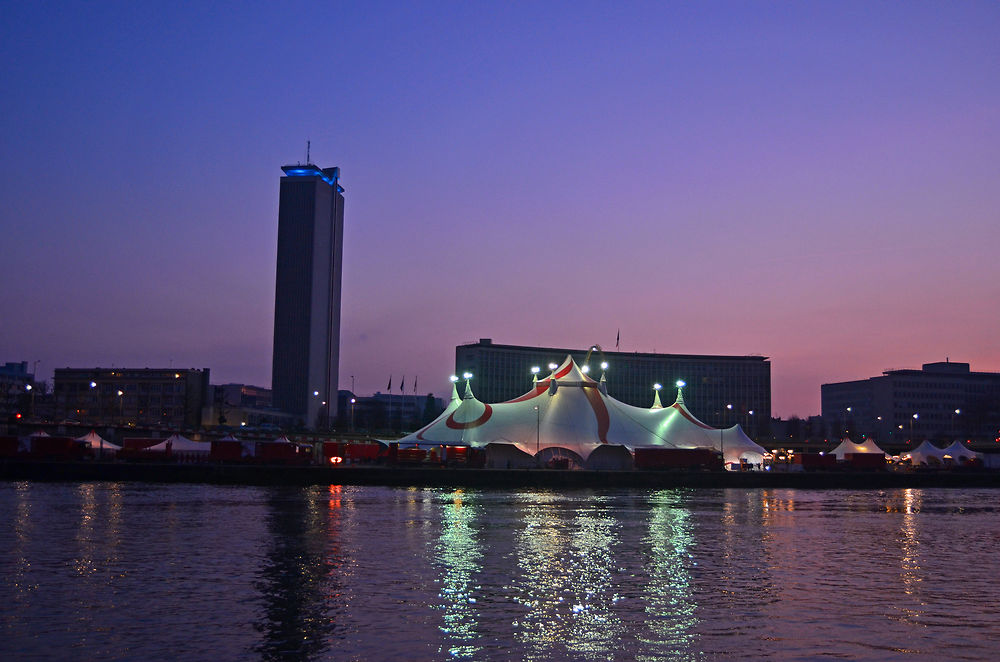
(329, 175)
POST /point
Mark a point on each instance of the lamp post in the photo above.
(847, 413)
(953, 415)
(121, 406)
(353, 401)
(31, 392)
(538, 430)
(912, 418)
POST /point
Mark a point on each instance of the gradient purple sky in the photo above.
(816, 182)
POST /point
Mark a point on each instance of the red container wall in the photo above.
(226, 451)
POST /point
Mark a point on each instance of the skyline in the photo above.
(814, 183)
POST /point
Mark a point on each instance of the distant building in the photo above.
(243, 405)
(15, 397)
(713, 383)
(386, 412)
(306, 358)
(942, 400)
(145, 397)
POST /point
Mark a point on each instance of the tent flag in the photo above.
(415, 384)
(388, 386)
(401, 381)
(618, 338)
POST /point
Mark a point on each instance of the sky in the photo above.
(814, 182)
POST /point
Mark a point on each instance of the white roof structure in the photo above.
(848, 446)
(960, 453)
(570, 411)
(924, 453)
(179, 444)
(97, 442)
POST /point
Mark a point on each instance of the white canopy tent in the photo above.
(97, 442)
(847, 446)
(960, 454)
(926, 453)
(570, 411)
(178, 444)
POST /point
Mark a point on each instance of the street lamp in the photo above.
(121, 405)
(913, 418)
(953, 415)
(31, 391)
(538, 432)
(353, 400)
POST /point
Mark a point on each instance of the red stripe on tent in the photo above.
(540, 388)
(564, 371)
(691, 418)
(600, 411)
(420, 434)
(455, 425)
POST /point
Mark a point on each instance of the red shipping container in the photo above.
(865, 460)
(8, 446)
(677, 458)
(226, 451)
(138, 443)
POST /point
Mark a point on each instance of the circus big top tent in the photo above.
(568, 414)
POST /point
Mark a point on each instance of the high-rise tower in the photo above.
(306, 359)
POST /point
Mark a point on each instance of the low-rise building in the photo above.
(942, 400)
(142, 397)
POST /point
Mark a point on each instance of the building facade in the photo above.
(942, 400)
(719, 390)
(16, 398)
(306, 357)
(146, 397)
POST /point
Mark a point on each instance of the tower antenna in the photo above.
(308, 148)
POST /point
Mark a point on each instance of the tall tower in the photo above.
(306, 359)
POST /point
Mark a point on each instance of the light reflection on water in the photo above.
(133, 571)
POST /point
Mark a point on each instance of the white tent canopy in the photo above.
(569, 410)
(179, 444)
(960, 453)
(97, 442)
(847, 446)
(926, 453)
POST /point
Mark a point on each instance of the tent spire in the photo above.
(604, 384)
(680, 395)
(468, 390)
(656, 400)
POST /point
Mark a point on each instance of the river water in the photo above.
(138, 571)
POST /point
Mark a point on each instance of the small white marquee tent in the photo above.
(178, 444)
(97, 442)
(847, 446)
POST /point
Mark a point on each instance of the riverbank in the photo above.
(259, 474)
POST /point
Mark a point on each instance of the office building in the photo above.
(719, 390)
(941, 401)
(306, 358)
(140, 397)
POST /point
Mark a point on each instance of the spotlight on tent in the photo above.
(585, 369)
(657, 386)
(553, 366)
(535, 369)
(604, 365)
(681, 383)
(466, 375)
(454, 378)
